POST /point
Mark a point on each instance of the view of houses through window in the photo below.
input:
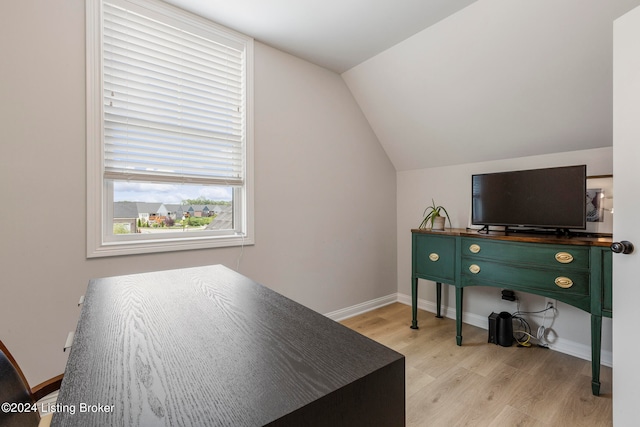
(161, 208)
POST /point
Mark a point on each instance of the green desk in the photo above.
(575, 270)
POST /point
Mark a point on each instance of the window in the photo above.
(169, 130)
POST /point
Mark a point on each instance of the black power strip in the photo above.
(508, 295)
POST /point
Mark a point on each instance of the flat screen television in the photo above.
(550, 198)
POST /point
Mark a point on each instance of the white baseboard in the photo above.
(561, 345)
(47, 403)
(345, 313)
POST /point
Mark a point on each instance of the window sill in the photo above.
(106, 249)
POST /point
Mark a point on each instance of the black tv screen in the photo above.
(539, 198)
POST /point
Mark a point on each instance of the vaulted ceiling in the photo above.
(454, 81)
(336, 34)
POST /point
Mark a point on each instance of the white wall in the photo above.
(325, 190)
(450, 186)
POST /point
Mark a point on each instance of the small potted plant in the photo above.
(433, 218)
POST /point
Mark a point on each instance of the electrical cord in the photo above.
(526, 332)
(526, 342)
(518, 312)
(542, 330)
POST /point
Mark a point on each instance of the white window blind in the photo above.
(173, 103)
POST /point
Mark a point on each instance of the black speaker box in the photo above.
(493, 328)
(505, 329)
(501, 329)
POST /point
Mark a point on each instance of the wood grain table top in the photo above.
(203, 346)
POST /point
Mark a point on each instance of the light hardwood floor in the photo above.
(482, 384)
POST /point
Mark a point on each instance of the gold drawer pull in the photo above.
(474, 249)
(564, 257)
(564, 282)
(474, 268)
(434, 257)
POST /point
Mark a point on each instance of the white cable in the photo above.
(525, 333)
(542, 330)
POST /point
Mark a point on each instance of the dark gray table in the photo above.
(207, 346)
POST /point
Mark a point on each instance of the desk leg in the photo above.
(458, 315)
(438, 299)
(414, 303)
(596, 342)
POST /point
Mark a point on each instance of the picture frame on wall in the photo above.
(599, 201)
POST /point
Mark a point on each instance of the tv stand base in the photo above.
(560, 232)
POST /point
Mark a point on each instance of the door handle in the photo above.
(622, 247)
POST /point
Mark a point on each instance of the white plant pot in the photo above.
(438, 223)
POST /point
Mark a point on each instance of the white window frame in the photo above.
(100, 239)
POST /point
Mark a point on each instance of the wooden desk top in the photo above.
(579, 240)
(207, 346)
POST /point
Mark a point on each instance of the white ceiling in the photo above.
(446, 82)
(500, 79)
(335, 34)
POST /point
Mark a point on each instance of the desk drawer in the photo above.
(434, 257)
(488, 273)
(527, 253)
